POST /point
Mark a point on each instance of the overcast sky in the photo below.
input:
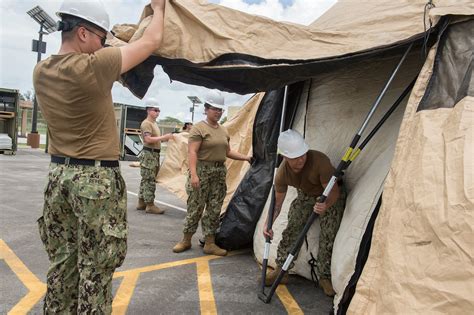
(17, 30)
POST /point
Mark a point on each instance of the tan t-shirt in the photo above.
(214, 142)
(317, 170)
(150, 128)
(74, 95)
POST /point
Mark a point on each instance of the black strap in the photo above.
(312, 264)
(73, 161)
(307, 106)
(151, 149)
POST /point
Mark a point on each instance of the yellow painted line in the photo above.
(124, 293)
(206, 294)
(287, 300)
(177, 263)
(36, 288)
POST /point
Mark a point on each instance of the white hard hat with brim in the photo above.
(291, 144)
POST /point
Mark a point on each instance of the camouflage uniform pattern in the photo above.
(298, 214)
(149, 168)
(209, 196)
(84, 231)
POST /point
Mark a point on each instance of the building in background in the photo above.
(128, 119)
(9, 100)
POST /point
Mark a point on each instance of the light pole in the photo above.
(196, 101)
(47, 26)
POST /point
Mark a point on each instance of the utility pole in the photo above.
(47, 26)
(196, 101)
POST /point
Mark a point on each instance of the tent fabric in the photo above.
(173, 171)
(338, 103)
(202, 41)
(422, 245)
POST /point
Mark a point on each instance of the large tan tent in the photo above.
(416, 255)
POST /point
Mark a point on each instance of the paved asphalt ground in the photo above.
(152, 280)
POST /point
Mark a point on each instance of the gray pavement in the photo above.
(152, 280)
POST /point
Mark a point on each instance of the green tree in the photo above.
(27, 96)
(171, 120)
(223, 120)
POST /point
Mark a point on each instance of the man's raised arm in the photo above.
(138, 51)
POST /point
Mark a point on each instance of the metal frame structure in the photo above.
(47, 26)
(196, 101)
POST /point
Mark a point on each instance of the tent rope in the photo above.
(427, 30)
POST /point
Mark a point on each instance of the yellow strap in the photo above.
(347, 155)
(355, 154)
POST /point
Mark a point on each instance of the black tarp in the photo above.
(246, 205)
(452, 70)
(244, 74)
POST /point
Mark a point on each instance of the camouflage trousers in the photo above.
(208, 199)
(149, 168)
(298, 214)
(84, 231)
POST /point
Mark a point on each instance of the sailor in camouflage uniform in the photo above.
(84, 222)
(309, 171)
(206, 186)
(150, 158)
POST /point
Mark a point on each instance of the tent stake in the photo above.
(343, 164)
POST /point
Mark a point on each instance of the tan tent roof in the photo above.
(218, 47)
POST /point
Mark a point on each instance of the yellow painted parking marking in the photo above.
(287, 300)
(35, 287)
(206, 294)
(124, 293)
(130, 277)
(127, 287)
(176, 263)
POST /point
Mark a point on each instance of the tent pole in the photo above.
(271, 209)
(356, 152)
(343, 164)
(384, 90)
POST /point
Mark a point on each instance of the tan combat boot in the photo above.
(272, 275)
(151, 208)
(326, 285)
(211, 248)
(185, 244)
(141, 204)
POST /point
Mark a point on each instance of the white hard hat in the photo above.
(152, 102)
(92, 11)
(291, 144)
(215, 99)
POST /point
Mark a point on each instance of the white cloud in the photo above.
(300, 11)
(17, 60)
